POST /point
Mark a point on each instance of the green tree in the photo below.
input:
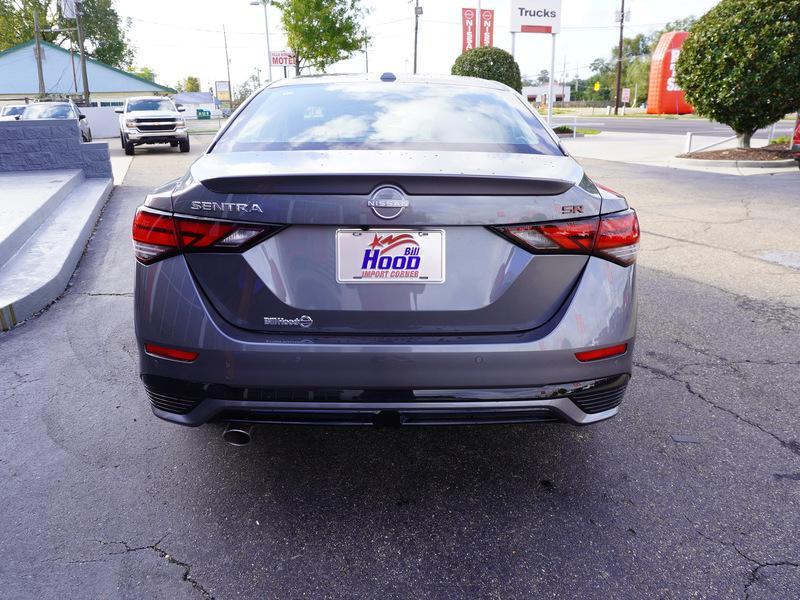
(739, 65)
(192, 84)
(144, 73)
(105, 33)
(489, 63)
(543, 77)
(322, 32)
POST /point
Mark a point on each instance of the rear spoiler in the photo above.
(363, 185)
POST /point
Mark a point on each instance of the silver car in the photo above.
(58, 110)
(389, 251)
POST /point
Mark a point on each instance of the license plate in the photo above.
(390, 256)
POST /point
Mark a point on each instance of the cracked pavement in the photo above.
(692, 491)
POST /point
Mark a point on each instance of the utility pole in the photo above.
(38, 52)
(84, 76)
(619, 58)
(228, 67)
(417, 13)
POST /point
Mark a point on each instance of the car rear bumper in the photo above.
(476, 374)
(579, 403)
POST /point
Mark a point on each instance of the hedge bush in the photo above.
(490, 63)
(740, 64)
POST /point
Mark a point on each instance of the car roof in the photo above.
(390, 78)
(147, 98)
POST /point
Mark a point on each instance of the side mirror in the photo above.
(181, 109)
(81, 117)
(16, 117)
(118, 110)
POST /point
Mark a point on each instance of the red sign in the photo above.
(468, 26)
(664, 96)
(487, 28)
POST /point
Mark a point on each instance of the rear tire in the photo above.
(184, 145)
(129, 149)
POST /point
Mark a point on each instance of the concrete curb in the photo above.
(758, 164)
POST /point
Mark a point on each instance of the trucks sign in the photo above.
(535, 16)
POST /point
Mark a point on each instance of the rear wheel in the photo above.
(185, 145)
(128, 148)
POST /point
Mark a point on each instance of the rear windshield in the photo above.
(49, 111)
(378, 115)
(150, 104)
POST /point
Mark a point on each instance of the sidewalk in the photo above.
(656, 150)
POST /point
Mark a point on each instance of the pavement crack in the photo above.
(158, 549)
(757, 565)
(792, 446)
(110, 294)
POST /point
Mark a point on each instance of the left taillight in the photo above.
(614, 237)
(159, 235)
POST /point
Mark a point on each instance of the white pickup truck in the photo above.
(151, 120)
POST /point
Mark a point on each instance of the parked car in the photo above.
(58, 110)
(9, 112)
(388, 251)
(795, 147)
(151, 120)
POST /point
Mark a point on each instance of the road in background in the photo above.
(692, 491)
(663, 125)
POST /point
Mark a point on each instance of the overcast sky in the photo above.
(177, 38)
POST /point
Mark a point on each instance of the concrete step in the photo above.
(28, 199)
(41, 269)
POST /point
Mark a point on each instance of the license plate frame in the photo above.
(431, 255)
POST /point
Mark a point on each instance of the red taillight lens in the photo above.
(171, 353)
(571, 236)
(601, 353)
(157, 235)
(153, 236)
(618, 237)
(796, 139)
(614, 237)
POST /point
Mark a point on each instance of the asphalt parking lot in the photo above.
(692, 491)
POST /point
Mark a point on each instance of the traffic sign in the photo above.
(626, 95)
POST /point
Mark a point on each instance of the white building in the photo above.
(538, 93)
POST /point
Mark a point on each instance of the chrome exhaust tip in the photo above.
(238, 435)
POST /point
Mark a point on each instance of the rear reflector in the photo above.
(614, 237)
(171, 353)
(600, 353)
(159, 235)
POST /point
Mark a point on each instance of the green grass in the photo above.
(588, 131)
(784, 139)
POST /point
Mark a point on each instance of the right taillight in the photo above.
(158, 235)
(618, 237)
(796, 138)
(614, 237)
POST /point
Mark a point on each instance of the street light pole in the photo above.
(264, 3)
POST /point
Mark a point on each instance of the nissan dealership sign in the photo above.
(535, 16)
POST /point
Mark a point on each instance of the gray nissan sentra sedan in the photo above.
(385, 250)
